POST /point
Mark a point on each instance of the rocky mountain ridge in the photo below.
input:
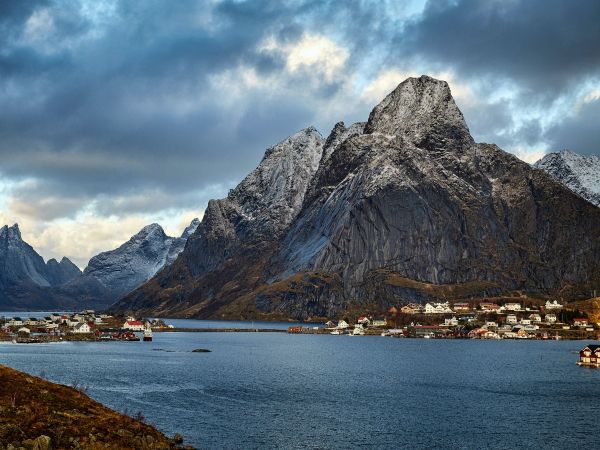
(579, 173)
(26, 282)
(407, 207)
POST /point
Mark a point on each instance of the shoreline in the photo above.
(37, 413)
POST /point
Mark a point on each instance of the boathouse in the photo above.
(589, 356)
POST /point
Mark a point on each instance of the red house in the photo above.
(589, 356)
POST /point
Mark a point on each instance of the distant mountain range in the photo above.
(27, 283)
(404, 207)
(579, 173)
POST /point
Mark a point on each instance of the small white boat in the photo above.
(335, 332)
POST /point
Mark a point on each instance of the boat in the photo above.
(148, 334)
(335, 332)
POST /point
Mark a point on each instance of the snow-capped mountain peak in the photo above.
(580, 173)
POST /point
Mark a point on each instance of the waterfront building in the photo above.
(342, 325)
(580, 322)
(364, 321)
(133, 325)
(589, 356)
(82, 328)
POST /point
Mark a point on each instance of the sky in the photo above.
(116, 114)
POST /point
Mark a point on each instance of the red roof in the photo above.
(134, 322)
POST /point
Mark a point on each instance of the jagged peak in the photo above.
(423, 111)
(191, 228)
(11, 232)
(291, 142)
(149, 229)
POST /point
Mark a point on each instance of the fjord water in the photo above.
(274, 390)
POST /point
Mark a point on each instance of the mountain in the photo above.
(404, 207)
(25, 280)
(137, 260)
(579, 173)
(27, 283)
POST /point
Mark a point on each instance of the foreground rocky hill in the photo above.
(579, 173)
(404, 207)
(39, 415)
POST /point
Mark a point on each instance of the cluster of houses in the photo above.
(364, 325)
(485, 320)
(462, 307)
(493, 321)
(76, 323)
(86, 324)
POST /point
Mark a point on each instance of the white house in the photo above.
(15, 322)
(134, 325)
(438, 308)
(512, 307)
(525, 322)
(491, 324)
(550, 318)
(24, 330)
(379, 322)
(580, 322)
(553, 305)
(535, 318)
(451, 322)
(511, 319)
(342, 325)
(82, 328)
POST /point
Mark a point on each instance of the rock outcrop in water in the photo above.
(405, 207)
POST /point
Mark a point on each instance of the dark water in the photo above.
(274, 390)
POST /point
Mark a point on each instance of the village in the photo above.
(483, 320)
(81, 326)
(434, 320)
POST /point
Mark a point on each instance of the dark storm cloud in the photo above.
(101, 115)
(579, 132)
(123, 101)
(546, 44)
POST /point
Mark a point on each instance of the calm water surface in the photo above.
(274, 390)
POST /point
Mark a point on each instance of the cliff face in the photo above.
(394, 206)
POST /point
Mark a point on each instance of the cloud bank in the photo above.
(116, 114)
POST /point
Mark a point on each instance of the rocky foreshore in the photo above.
(36, 414)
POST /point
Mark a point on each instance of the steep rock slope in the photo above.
(579, 173)
(137, 260)
(26, 282)
(404, 207)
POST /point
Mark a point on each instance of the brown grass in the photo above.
(31, 407)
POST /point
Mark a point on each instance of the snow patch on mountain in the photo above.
(579, 173)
